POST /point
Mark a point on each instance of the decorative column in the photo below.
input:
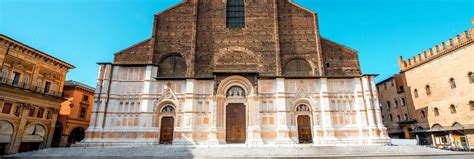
(54, 119)
(281, 118)
(253, 128)
(94, 132)
(213, 128)
(358, 101)
(146, 108)
(380, 129)
(326, 120)
(369, 110)
(187, 126)
(21, 128)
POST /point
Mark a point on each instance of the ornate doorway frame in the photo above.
(303, 108)
(223, 100)
(167, 110)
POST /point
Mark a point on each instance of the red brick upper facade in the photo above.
(280, 38)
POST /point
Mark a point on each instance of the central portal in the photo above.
(235, 123)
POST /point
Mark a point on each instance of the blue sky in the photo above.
(84, 32)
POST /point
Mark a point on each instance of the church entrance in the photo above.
(166, 132)
(304, 129)
(235, 123)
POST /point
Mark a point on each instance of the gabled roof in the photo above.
(78, 84)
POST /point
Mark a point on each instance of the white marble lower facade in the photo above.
(130, 105)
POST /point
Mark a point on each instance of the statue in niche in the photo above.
(235, 92)
(302, 108)
(167, 109)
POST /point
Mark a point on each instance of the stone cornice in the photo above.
(32, 52)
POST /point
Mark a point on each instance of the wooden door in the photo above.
(235, 123)
(166, 132)
(304, 129)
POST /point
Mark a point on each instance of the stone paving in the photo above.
(236, 151)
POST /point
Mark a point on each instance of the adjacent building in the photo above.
(74, 115)
(31, 85)
(224, 72)
(438, 86)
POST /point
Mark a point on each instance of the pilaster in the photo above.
(187, 126)
(21, 128)
(281, 118)
(52, 126)
(326, 120)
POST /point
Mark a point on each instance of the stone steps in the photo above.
(233, 151)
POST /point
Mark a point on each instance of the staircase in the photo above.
(234, 151)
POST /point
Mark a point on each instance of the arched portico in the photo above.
(6, 136)
(34, 137)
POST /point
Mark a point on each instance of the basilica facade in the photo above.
(253, 72)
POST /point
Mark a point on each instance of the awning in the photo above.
(396, 132)
(408, 121)
(419, 131)
(459, 128)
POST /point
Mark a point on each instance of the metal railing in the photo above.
(29, 87)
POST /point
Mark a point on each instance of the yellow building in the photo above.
(31, 85)
(439, 88)
(74, 115)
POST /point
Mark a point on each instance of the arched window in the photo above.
(452, 82)
(423, 114)
(235, 14)
(453, 109)
(38, 85)
(415, 93)
(55, 89)
(297, 67)
(470, 75)
(406, 116)
(436, 126)
(173, 66)
(457, 125)
(302, 108)
(235, 91)
(391, 117)
(26, 81)
(4, 75)
(398, 118)
(428, 90)
(436, 111)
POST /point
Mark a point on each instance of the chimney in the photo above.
(472, 22)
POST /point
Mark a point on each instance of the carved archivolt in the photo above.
(233, 81)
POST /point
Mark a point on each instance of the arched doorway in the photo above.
(33, 138)
(304, 124)
(58, 131)
(167, 124)
(236, 126)
(6, 133)
(76, 135)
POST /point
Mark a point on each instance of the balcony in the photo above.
(31, 88)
